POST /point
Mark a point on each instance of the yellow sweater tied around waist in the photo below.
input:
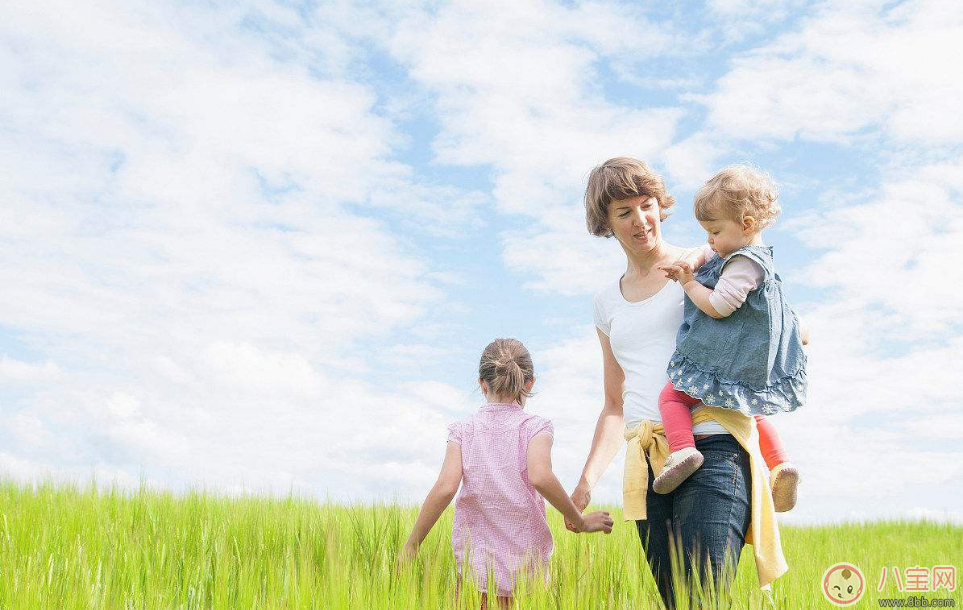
(648, 445)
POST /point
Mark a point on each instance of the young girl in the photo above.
(739, 346)
(501, 455)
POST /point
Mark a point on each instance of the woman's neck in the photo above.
(641, 264)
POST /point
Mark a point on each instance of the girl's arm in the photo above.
(437, 501)
(609, 435)
(542, 478)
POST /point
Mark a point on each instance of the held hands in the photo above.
(580, 498)
(680, 271)
(592, 522)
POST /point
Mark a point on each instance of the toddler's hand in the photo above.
(599, 521)
(680, 271)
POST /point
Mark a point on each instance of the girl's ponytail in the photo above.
(506, 366)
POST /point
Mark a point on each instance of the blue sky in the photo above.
(259, 246)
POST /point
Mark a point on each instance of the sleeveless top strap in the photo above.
(762, 255)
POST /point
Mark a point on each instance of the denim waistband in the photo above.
(719, 442)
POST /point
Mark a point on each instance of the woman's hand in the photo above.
(580, 498)
(680, 271)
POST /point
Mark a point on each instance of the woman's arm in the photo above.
(542, 478)
(437, 501)
(803, 330)
(609, 435)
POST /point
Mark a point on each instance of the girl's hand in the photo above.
(406, 555)
(680, 271)
(599, 521)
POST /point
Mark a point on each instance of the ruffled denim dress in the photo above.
(752, 360)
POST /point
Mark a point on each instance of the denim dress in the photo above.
(752, 360)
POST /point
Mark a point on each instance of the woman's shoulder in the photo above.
(678, 251)
(606, 300)
(608, 291)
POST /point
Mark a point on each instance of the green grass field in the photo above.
(64, 547)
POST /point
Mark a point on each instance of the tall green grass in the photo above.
(67, 547)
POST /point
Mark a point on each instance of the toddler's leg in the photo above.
(784, 476)
(770, 444)
(675, 408)
(677, 420)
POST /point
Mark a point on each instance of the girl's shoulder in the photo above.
(536, 424)
(458, 430)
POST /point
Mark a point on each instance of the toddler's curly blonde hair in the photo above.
(737, 191)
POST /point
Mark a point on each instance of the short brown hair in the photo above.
(736, 191)
(616, 179)
(506, 366)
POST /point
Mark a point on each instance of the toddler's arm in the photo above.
(739, 277)
(437, 501)
(546, 483)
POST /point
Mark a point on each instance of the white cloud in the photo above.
(245, 365)
(563, 260)
(895, 252)
(14, 371)
(181, 209)
(851, 67)
(517, 90)
(692, 161)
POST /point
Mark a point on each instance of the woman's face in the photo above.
(636, 223)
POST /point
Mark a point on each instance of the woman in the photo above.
(637, 318)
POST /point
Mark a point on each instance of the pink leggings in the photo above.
(675, 407)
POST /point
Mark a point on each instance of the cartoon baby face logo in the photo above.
(843, 584)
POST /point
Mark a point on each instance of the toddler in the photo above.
(740, 345)
(501, 456)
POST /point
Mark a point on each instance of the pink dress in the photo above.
(500, 521)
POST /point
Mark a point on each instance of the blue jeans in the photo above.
(708, 514)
